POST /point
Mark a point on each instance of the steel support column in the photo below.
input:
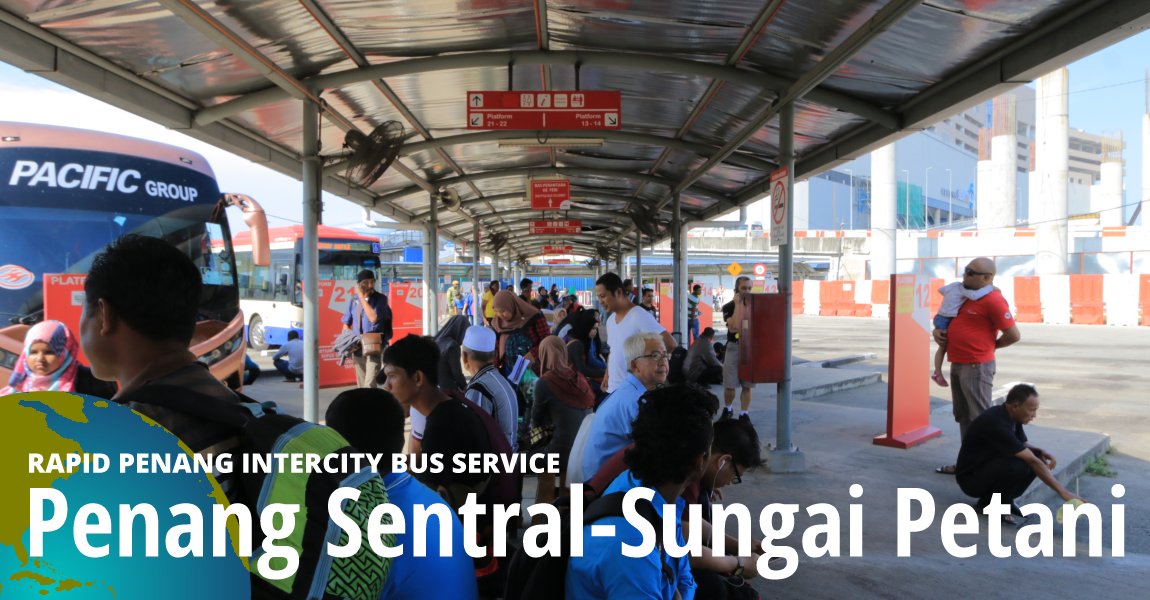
(477, 315)
(431, 272)
(784, 457)
(638, 256)
(679, 264)
(310, 259)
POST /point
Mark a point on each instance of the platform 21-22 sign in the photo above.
(539, 110)
(556, 227)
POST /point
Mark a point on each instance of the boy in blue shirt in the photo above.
(672, 435)
(372, 420)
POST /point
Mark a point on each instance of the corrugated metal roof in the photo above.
(700, 84)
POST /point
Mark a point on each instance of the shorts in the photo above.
(731, 369)
(941, 322)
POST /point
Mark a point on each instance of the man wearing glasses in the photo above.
(611, 430)
(971, 340)
(731, 357)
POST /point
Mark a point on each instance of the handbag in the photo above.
(538, 438)
(371, 344)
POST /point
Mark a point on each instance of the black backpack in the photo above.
(261, 430)
(529, 578)
(675, 373)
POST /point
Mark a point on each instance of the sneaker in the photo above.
(289, 379)
(728, 413)
(745, 417)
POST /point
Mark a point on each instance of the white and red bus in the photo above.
(65, 194)
(270, 296)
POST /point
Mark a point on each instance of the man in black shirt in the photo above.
(996, 458)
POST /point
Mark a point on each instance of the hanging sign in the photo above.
(557, 249)
(549, 194)
(536, 110)
(556, 227)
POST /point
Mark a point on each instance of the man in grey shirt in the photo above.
(702, 365)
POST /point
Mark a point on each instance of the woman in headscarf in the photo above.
(560, 315)
(520, 326)
(50, 363)
(580, 329)
(563, 396)
(449, 339)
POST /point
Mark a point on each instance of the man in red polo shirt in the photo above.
(970, 341)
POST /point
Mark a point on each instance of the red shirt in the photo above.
(971, 335)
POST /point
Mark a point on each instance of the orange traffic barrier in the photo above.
(1086, 306)
(830, 298)
(1027, 300)
(797, 297)
(880, 291)
(1144, 298)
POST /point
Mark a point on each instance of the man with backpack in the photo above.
(141, 301)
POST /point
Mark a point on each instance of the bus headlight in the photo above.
(223, 350)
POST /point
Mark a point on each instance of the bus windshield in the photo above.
(61, 240)
(57, 229)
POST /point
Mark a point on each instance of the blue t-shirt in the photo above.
(432, 576)
(603, 571)
(611, 429)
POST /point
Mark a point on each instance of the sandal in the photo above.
(945, 470)
(939, 379)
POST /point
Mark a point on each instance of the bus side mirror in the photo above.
(257, 221)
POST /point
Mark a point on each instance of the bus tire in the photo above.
(256, 339)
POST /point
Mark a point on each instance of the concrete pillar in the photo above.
(1001, 209)
(884, 212)
(1052, 166)
(1109, 208)
(496, 271)
(312, 172)
(1146, 167)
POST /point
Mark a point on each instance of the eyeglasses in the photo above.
(971, 272)
(738, 476)
(657, 356)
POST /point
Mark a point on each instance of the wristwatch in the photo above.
(738, 572)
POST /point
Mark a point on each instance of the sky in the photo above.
(1107, 95)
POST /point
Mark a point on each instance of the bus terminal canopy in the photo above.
(701, 85)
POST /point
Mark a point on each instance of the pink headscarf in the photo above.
(60, 339)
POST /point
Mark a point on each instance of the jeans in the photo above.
(282, 366)
(692, 330)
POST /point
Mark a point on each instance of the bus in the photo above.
(271, 296)
(65, 194)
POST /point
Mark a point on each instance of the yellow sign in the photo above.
(734, 269)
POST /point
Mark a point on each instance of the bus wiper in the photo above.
(31, 318)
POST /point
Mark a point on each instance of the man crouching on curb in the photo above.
(996, 458)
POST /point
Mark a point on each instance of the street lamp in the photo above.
(851, 173)
(926, 199)
(950, 199)
(906, 220)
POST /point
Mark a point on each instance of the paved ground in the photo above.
(1093, 382)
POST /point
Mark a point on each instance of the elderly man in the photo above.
(611, 430)
(997, 458)
(971, 340)
(487, 387)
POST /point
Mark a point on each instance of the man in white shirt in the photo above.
(292, 368)
(621, 325)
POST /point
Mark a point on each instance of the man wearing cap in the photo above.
(368, 312)
(488, 388)
(454, 299)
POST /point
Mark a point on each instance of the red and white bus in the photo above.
(270, 296)
(67, 193)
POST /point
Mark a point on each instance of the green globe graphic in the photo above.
(59, 423)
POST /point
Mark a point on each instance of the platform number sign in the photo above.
(780, 204)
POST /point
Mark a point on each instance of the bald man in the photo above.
(971, 340)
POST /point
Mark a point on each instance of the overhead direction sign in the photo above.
(556, 227)
(536, 110)
(557, 249)
(549, 194)
(779, 206)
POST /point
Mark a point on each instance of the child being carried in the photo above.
(953, 296)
